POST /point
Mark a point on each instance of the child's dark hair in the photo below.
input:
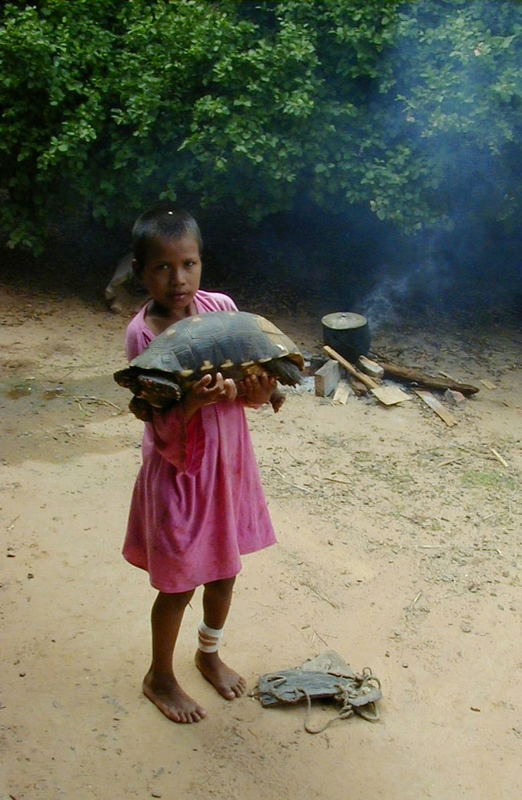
(162, 220)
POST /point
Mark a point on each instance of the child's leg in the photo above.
(217, 597)
(160, 684)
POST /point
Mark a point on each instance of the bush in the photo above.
(411, 110)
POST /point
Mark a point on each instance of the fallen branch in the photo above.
(423, 379)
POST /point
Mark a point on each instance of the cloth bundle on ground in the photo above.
(327, 676)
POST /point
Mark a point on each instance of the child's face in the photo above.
(171, 273)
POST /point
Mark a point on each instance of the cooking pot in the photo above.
(348, 333)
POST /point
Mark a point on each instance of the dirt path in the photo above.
(399, 547)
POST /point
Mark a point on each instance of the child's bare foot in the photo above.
(227, 682)
(167, 695)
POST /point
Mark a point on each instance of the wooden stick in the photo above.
(335, 480)
(449, 461)
(321, 638)
(413, 602)
(285, 479)
(369, 382)
(446, 375)
(100, 400)
(499, 457)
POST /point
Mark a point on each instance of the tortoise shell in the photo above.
(235, 343)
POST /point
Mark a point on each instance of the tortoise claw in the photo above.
(277, 399)
(141, 409)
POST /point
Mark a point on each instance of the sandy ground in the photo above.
(398, 547)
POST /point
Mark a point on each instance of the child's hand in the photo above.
(257, 389)
(205, 394)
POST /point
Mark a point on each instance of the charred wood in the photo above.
(423, 379)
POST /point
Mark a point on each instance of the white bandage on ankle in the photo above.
(209, 638)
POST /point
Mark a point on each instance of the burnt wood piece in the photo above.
(431, 381)
(370, 367)
(359, 388)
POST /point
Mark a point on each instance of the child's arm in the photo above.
(179, 435)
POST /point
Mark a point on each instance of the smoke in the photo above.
(458, 107)
(475, 276)
(424, 288)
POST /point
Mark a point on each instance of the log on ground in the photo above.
(423, 379)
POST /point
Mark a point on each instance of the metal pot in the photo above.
(348, 333)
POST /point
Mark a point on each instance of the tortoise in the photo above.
(234, 343)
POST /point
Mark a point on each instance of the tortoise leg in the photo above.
(141, 409)
(277, 399)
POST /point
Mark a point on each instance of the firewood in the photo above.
(359, 388)
(343, 392)
(437, 407)
(388, 396)
(326, 378)
(423, 379)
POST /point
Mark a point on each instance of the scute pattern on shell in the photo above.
(235, 343)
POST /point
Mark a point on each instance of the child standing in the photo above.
(197, 503)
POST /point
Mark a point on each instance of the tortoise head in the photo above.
(158, 390)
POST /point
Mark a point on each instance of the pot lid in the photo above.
(343, 320)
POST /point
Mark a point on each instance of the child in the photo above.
(198, 503)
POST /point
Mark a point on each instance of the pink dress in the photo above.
(198, 503)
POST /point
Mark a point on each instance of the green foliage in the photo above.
(112, 104)
(463, 104)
